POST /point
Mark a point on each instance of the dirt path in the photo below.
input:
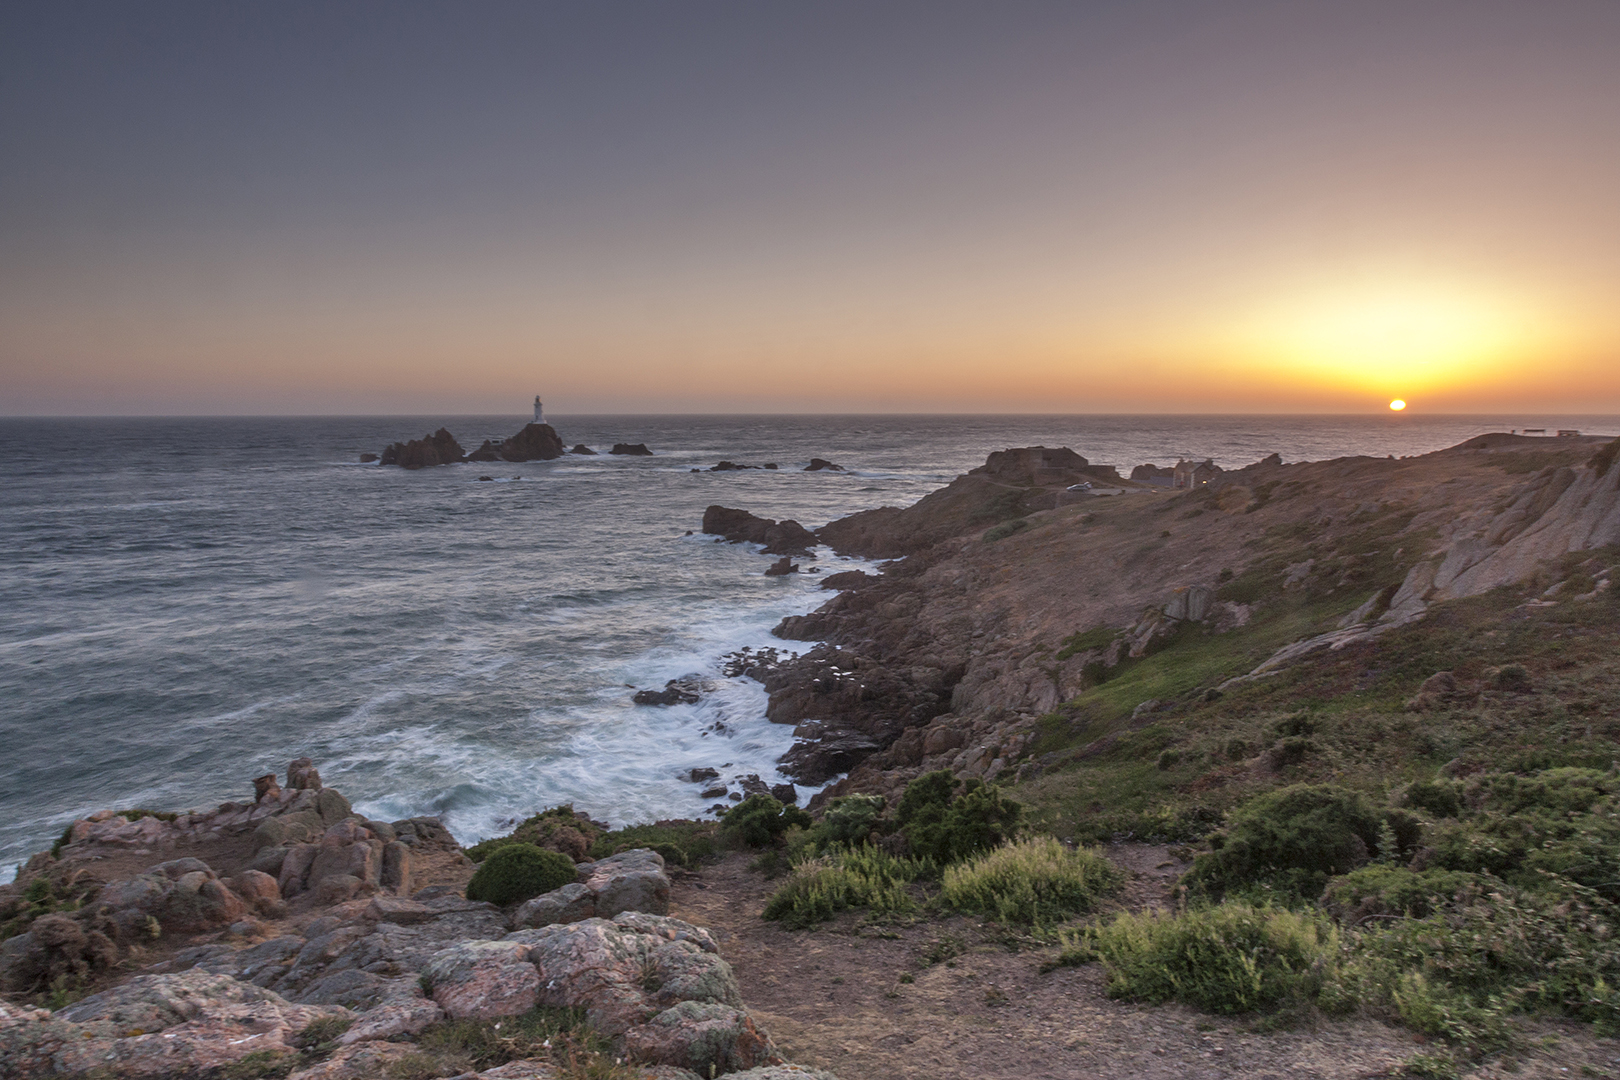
(835, 998)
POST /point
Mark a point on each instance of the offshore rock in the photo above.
(439, 448)
(739, 526)
(631, 449)
(536, 442)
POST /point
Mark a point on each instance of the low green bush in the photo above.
(944, 821)
(849, 820)
(1234, 958)
(1442, 798)
(1030, 882)
(760, 819)
(1289, 841)
(517, 872)
(544, 829)
(845, 878)
(680, 842)
(1392, 892)
(1005, 529)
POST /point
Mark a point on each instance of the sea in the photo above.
(191, 602)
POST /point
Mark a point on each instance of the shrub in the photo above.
(518, 871)
(559, 829)
(943, 824)
(759, 819)
(1511, 679)
(846, 878)
(1233, 958)
(1030, 882)
(1439, 797)
(680, 842)
(1292, 840)
(1005, 529)
(849, 820)
(1392, 891)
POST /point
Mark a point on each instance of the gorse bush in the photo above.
(845, 878)
(760, 819)
(1030, 882)
(945, 821)
(517, 872)
(849, 820)
(1290, 840)
(1233, 958)
(558, 828)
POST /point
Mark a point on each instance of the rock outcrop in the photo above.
(776, 537)
(439, 448)
(536, 442)
(629, 881)
(631, 450)
(822, 465)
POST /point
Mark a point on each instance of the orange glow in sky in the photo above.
(1244, 207)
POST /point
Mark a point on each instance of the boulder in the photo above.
(704, 1037)
(266, 787)
(403, 1015)
(631, 449)
(439, 448)
(822, 465)
(629, 881)
(581, 448)
(302, 775)
(483, 980)
(683, 691)
(367, 459)
(573, 902)
(366, 1060)
(782, 567)
(625, 972)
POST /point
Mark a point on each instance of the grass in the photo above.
(1030, 882)
(844, 878)
(1234, 958)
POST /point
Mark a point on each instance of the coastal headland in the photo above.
(1353, 722)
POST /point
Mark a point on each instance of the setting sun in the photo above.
(1397, 405)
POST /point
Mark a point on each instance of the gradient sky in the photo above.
(773, 207)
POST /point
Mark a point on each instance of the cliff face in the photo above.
(1013, 590)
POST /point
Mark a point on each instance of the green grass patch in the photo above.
(1031, 882)
(1234, 958)
(844, 878)
(681, 843)
(1096, 638)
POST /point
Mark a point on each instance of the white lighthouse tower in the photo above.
(539, 411)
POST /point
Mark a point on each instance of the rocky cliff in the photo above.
(1012, 593)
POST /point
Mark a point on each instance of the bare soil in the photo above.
(979, 1005)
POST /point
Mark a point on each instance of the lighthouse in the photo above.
(539, 411)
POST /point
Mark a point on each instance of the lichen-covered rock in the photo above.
(364, 1061)
(629, 881)
(483, 980)
(706, 1038)
(784, 1071)
(156, 1026)
(571, 903)
(405, 1014)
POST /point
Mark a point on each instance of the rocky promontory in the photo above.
(1012, 594)
(439, 448)
(536, 442)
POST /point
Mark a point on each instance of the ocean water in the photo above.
(189, 603)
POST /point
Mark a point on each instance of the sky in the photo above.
(1142, 206)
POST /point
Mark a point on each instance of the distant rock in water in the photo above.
(739, 526)
(822, 465)
(581, 448)
(536, 442)
(367, 459)
(732, 466)
(631, 449)
(439, 448)
(782, 567)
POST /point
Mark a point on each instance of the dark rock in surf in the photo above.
(675, 692)
(739, 526)
(822, 465)
(848, 579)
(782, 567)
(631, 449)
(439, 448)
(367, 459)
(536, 442)
(581, 448)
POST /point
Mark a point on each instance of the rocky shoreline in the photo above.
(305, 917)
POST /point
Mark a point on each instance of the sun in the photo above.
(1397, 405)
